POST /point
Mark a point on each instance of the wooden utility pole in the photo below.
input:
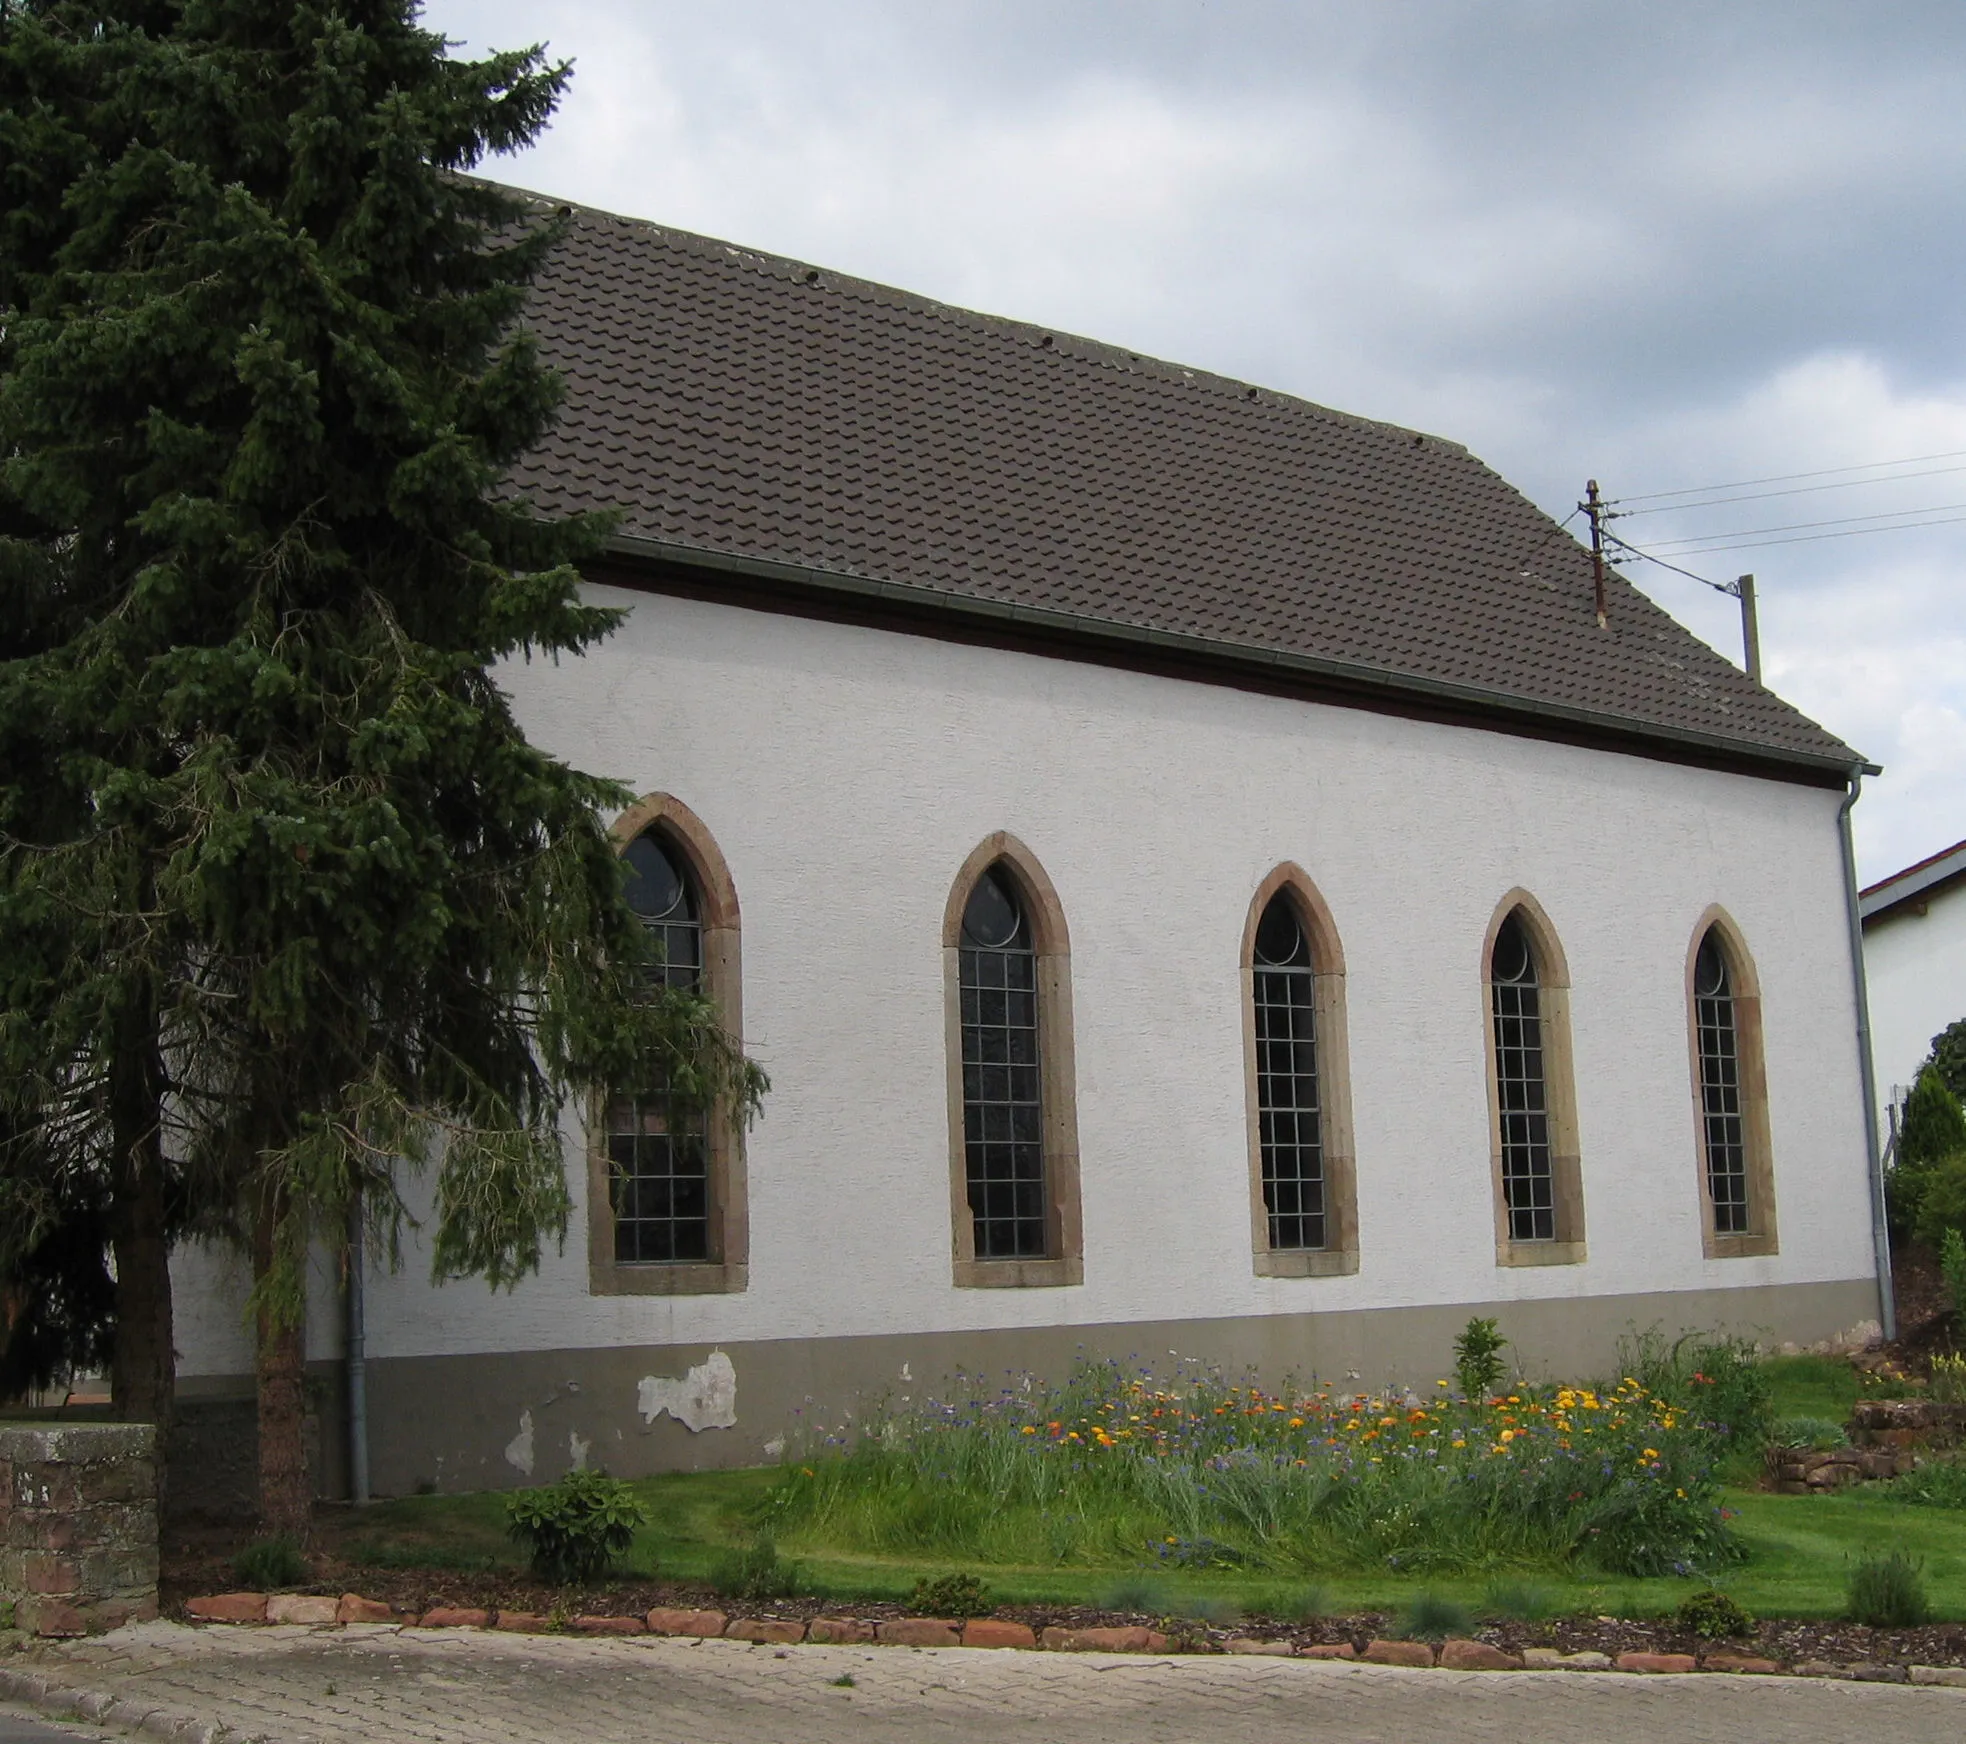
(1593, 506)
(1750, 630)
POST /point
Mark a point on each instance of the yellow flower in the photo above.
(1507, 1435)
(1681, 1494)
(1651, 1453)
(1295, 1423)
(1028, 1430)
(1461, 1443)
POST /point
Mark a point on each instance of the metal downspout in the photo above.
(358, 1373)
(1880, 1234)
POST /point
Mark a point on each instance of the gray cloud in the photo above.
(1665, 243)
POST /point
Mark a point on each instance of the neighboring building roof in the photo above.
(1917, 883)
(761, 415)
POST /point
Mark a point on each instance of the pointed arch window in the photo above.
(1303, 1204)
(1012, 1125)
(658, 1159)
(666, 1185)
(1722, 1119)
(1522, 1087)
(1730, 1095)
(1539, 1211)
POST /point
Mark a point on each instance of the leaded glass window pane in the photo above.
(1289, 1121)
(1521, 1089)
(658, 1157)
(1720, 1088)
(1003, 1102)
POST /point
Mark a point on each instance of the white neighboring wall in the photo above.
(847, 772)
(1915, 964)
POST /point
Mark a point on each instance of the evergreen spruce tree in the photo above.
(1948, 1055)
(303, 888)
(82, 1171)
(1931, 1131)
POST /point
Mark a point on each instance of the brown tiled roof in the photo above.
(766, 411)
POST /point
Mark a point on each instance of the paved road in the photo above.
(296, 1686)
(17, 1728)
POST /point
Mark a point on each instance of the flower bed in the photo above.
(1198, 1471)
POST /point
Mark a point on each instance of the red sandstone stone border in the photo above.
(1454, 1655)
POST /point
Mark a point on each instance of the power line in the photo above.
(1799, 490)
(1811, 538)
(1726, 587)
(1714, 541)
(1789, 477)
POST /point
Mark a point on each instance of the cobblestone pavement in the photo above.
(460, 1686)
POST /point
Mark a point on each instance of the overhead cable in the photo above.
(1789, 477)
(1717, 540)
(1799, 490)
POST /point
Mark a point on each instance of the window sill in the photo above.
(1539, 1253)
(1323, 1262)
(1740, 1247)
(688, 1279)
(1018, 1274)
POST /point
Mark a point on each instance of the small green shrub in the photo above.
(757, 1573)
(1952, 1255)
(1949, 1376)
(1713, 1616)
(1888, 1592)
(573, 1530)
(1719, 1380)
(1940, 1483)
(6, 1613)
(1434, 1617)
(1478, 1358)
(1131, 1593)
(270, 1563)
(1522, 1600)
(1303, 1604)
(1809, 1434)
(950, 1595)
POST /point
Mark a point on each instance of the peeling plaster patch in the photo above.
(705, 1398)
(518, 1451)
(775, 1446)
(577, 1449)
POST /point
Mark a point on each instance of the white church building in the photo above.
(1201, 876)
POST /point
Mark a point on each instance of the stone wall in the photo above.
(78, 1525)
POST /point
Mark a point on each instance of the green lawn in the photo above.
(1800, 1550)
(1812, 1386)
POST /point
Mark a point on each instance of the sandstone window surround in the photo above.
(1303, 1197)
(1732, 1139)
(975, 1003)
(722, 1267)
(1536, 1170)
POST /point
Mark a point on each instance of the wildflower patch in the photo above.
(1198, 1470)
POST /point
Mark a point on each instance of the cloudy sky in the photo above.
(1668, 245)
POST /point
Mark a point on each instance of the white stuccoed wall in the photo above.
(846, 773)
(1916, 967)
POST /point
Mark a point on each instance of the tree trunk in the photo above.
(143, 1365)
(143, 1372)
(286, 1490)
